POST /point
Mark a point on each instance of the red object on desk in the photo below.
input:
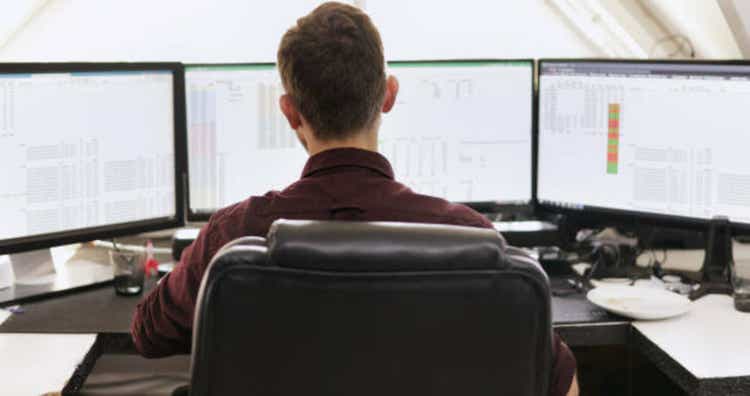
(151, 262)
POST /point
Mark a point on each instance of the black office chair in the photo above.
(354, 308)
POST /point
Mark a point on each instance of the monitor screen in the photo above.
(239, 143)
(655, 139)
(459, 130)
(85, 150)
(462, 130)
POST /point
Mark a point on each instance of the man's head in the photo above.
(333, 70)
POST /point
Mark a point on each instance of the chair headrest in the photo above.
(382, 246)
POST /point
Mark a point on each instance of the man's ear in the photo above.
(290, 111)
(391, 90)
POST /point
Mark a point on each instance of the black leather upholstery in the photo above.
(352, 308)
(380, 247)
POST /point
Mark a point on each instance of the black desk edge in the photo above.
(46, 295)
(594, 334)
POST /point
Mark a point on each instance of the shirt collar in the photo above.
(348, 157)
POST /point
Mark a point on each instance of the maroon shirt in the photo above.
(339, 184)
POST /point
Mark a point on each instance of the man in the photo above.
(333, 70)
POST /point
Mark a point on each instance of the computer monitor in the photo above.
(87, 151)
(460, 130)
(662, 142)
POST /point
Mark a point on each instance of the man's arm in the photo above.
(573, 390)
(163, 322)
(564, 381)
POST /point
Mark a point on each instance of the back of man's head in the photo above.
(332, 66)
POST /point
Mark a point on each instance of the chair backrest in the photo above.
(355, 308)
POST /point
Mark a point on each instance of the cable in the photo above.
(671, 37)
(679, 40)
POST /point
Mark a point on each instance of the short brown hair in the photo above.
(332, 66)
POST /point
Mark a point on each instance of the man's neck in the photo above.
(363, 141)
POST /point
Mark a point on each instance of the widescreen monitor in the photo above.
(460, 130)
(88, 151)
(654, 141)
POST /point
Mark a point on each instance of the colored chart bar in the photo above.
(613, 138)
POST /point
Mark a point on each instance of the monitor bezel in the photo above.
(482, 206)
(603, 216)
(42, 241)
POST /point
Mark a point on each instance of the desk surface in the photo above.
(578, 322)
(119, 375)
(76, 268)
(32, 364)
(704, 351)
(724, 350)
(100, 310)
(79, 267)
(97, 310)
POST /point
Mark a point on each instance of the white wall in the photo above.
(419, 29)
(249, 31)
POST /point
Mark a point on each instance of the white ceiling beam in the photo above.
(601, 23)
(15, 15)
(701, 22)
(737, 14)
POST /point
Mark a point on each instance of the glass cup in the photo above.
(741, 283)
(128, 270)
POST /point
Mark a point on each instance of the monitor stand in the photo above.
(716, 274)
(33, 268)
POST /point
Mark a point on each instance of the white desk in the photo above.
(4, 315)
(34, 364)
(711, 343)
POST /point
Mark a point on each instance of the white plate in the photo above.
(643, 303)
